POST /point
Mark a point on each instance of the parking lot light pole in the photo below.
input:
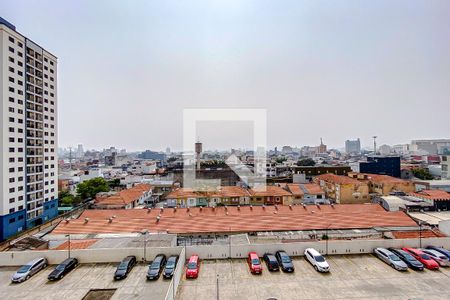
(217, 286)
(68, 242)
(420, 234)
(144, 233)
(229, 242)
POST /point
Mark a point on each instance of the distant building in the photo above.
(385, 150)
(147, 154)
(311, 171)
(80, 151)
(437, 146)
(343, 189)
(353, 146)
(445, 166)
(382, 165)
(322, 148)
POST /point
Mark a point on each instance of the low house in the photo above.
(222, 195)
(384, 184)
(270, 195)
(126, 199)
(343, 189)
(305, 192)
(438, 198)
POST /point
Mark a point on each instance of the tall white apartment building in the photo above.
(28, 138)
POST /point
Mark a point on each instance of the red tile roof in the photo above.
(416, 234)
(333, 178)
(269, 191)
(76, 244)
(376, 178)
(243, 219)
(436, 195)
(311, 188)
(220, 192)
(124, 197)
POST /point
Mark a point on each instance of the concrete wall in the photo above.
(16, 258)
(173, 288)
(216, 251)
(296, 249)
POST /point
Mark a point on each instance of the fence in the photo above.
(173, 288)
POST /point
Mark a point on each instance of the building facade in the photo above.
(382, 165)
(445, 166)
(28, 164)
(353, 146)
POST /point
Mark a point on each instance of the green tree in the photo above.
(114, 183)
(89, 188)
(67, 199)
(306, 162)
(422, 173)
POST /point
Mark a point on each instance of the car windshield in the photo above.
(319, 258)
(255, 261)
(170, 264)
(60, 267)
(192, 265)
(285, 259)
(408, 256)
(122, 266)
(425, 256)
(154, 266)
(394, 257)
(24, 269)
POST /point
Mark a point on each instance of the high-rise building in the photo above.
(353, 146)
(80, 151)
(28, 139)
(383, 165)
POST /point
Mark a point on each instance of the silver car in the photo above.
(391, 259)
(440, 258)
(28, 270)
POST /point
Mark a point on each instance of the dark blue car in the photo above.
(441, 250)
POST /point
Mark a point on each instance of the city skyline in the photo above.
(336, 71)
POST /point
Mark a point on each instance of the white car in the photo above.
(317, 260)
(440, 258)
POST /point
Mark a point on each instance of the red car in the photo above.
(254, 263)
(193, 267)
(424, 258)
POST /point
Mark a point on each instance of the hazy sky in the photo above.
(331, 69)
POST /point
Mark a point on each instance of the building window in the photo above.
(11, 49)
(11, 39)
(12, 220)
(12, 210)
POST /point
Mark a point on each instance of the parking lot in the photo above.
(77, 284)
(351, 277)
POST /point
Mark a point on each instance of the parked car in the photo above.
(193, 267)
(155, 268)
(317, 260)
(63, 268)
(29, 269)
(284, 261)
(440, 258)
(439, 249)
(125, 267)
(391, 259)
(170, 266)
(254, 263)
(271, 262)
(408, 259)
(424, 258)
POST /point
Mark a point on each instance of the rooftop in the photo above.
(124, 197)
(338, 179)
(235, 219)
(437, 195)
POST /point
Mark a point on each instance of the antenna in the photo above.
(374, 144)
